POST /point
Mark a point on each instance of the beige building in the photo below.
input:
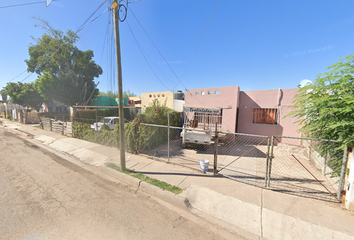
(162, 97)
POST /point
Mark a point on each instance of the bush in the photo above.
(104, 137)
(139, 138)
(89, 116)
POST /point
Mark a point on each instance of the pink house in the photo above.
(226, 98)
(252, 112)
(263, 112)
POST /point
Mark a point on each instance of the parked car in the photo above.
(109, 121)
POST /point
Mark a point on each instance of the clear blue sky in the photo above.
(255, 44)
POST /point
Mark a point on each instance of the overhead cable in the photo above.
(145, 57)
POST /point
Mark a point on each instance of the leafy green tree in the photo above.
(24, 94)
(65, 73)
(3, 95)
(326, 108)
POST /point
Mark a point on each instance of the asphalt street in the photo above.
(45, 197)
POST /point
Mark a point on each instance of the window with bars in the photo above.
(265, 115)
(209, 118)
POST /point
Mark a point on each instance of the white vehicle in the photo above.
(109, 121)
(199, 124)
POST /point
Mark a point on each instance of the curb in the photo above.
(164, 197)
(110, 174)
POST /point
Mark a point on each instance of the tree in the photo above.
(3, 95)
(325, 109)
(24, 94)
(65, 73)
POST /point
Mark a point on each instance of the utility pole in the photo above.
(118, 7)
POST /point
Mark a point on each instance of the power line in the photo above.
(78, 30)
(82, 25)
(14, 78)
(22, 4)
(145, 57)
(200, 40)
(26, 77)
(154, 45)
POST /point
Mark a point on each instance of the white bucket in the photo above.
(204, 165)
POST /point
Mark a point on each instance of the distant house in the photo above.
(134, 104)
(252, 112)
(167, 98)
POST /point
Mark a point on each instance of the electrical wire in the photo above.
(154, 45)
(22, 4)
(200, 40)
(14, 78)
(105, 38)
(145, 57)
(80, 28)
(93, 20)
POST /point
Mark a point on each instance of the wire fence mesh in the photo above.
(298, 166)
(171, 149)
(306, 167)
(243, 157)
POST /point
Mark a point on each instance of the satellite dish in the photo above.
(304, 82)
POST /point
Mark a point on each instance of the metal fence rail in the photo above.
(243, 157)
(285, 164)
(292, 165)
(300, 166)
(171, 150)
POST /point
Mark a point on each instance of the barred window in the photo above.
(209, 118)
(265, 115)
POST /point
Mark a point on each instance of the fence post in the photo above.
(270, 160)
(267, 164)
(50, 124)
(96, 119)
(216, 142)
(342, 174)
(168, 136)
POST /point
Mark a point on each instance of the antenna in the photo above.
(304, 82)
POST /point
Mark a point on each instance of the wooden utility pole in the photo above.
(116, 7)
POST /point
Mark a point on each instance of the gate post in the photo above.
(270, 160)
(96, 119)
(216, 142)
(267, 164)
(168, 137)
(342, 174)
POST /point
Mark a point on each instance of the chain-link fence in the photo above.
(166, 144)
(305, 167)
(299, 166)
(243, 157)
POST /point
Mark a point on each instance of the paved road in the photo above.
(45, 197)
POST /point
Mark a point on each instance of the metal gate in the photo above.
(306, 167)
(243, 157)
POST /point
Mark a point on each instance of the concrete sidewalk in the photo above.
(251, 212)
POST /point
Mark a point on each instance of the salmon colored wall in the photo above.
(227, 97)
(267, 99)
